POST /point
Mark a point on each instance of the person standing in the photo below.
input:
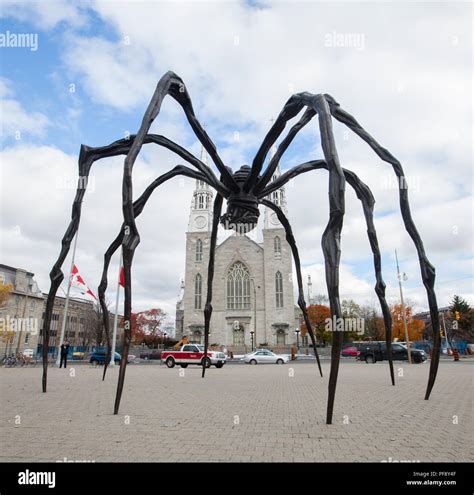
(64, 352)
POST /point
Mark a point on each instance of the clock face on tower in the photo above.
(274, 219)
(200, 222)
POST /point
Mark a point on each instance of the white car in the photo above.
(263, 356)
(28, 353)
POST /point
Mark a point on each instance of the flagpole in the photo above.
(407, 338)
(66, 304)
(117, 297)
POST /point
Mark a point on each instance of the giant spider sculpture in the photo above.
(244, 190)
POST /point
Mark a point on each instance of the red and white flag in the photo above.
(78, 282)
(122, 278)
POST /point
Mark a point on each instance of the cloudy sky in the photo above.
(403, 69)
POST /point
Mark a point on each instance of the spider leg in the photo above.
(428, 272)
(87, 156)
(291, 108)
(366, 198)
(332, 233)
(210, 277)
(138, 206)
(101, 293)
(270, 170)
(296, 257)
(170, 84)
(331, 240)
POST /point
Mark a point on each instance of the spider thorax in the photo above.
(242, 208)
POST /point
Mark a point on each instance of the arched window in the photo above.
(276, 197)
(198, 291)
(238, 336)
(200, 202)
(197, 336)
(277, 246)
(199, 250)
(279, 290)
(238, 287)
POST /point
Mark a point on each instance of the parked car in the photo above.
(264, 356)
(29, 353)
(77, 356)
(98, 357)
(155, 354)
(350, 351)
(371, 352)
(193, 354)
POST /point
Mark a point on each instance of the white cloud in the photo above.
(15, 119)
(409, 86)
(44, 14)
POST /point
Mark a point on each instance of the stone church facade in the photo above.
(253, 299)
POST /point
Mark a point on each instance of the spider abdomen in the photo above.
(242, 208)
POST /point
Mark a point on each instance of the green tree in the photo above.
(461, 328)
(350, 309)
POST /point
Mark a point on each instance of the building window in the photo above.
(27, 337)
(281, 337)
(198, 291)
(276, 197)
(199, 250)
(238, 287)
(197, 336)
(279, 290)
(238, 336)
(277, 246)
(200, 202)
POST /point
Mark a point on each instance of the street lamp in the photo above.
(407, 338)
(251, 338)
(297, 341)
(254, 308)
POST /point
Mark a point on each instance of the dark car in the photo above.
(156, 354)
(98, 357)
(371, 352)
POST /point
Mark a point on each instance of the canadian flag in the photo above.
(78, 281)
(122, 278)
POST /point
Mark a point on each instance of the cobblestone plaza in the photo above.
(238, 413)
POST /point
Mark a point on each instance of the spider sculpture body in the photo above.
(244, 191)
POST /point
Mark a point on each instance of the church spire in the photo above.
(278, 197)
(201, 206)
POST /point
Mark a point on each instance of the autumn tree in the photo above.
(6, 333)
(150, 327)
(318, 314)
(415, 327)
(373, 323)
(5, 291)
